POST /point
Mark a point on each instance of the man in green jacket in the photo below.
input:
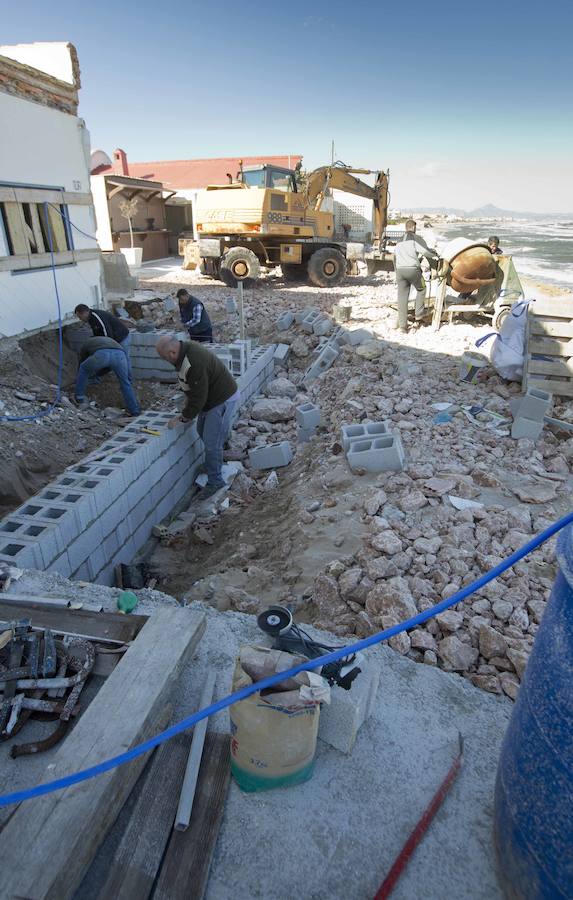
(211, 396)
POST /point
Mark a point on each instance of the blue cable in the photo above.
(59, 784)
(64, 215)
(51, 407)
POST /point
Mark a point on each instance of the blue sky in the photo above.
(465, 103)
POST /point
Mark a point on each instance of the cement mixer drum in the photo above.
(471, 265)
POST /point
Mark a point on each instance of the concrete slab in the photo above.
(338, 834)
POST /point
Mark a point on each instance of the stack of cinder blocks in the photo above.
(236, 356)
(101, 511)
(145, 363)
(373, 447)
(308, 420)
(529, 412)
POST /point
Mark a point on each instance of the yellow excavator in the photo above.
(264, 218)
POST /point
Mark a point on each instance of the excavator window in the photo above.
(281, 181)
(254, 178)
(268, 177)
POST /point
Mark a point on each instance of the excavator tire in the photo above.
(239, 264)
(294, 273)
(326, 267)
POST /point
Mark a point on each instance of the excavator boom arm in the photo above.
(342, 178)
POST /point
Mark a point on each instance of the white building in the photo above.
(44, 187)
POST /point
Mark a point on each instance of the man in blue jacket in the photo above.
(194, 317)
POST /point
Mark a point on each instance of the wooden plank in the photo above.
(552, 327)
(108, 626)
(137, 859)
(553, 367)
(189, 785)
(547, 306)
(185, 869)
(49, 843)
(550, 346)
(560, 388)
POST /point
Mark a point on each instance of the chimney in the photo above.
(120, 162)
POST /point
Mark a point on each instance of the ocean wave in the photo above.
(536, 268)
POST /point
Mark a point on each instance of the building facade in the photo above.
(46, 207)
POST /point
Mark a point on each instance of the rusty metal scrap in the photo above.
(33, 664)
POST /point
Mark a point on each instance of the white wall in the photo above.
(52, 58)
(45, 147)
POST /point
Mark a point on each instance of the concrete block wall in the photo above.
(101, 511)
(146, 363)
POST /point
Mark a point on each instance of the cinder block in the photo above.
(309, 321)
(362, 431)
(22, 553)
(281, 354)
(377, 454)
(308, 415)
(534, 405)
(61, 565)
(80, 550)
(323, 362)
(526, 428)
(271, 456)
(338, 338)
(80, 501)
(285, 321)
(341, 720)
(322, 326)
(48, 538)
(351, 433)
(301, 314)
(303, 435)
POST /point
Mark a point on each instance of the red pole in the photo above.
(419, 831)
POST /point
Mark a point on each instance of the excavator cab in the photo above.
(273, 177)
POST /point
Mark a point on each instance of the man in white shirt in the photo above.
(407, 263)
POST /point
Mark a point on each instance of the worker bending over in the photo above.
(105, 324)
(98, 356)
(194, 317)
(407, 263)
(211, 396)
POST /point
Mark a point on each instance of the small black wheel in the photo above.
(239, 264)
(326, 267)
(294, 273)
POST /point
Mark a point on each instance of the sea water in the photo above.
(541, 249)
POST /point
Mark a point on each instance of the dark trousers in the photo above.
(206, 337)
(405, 279)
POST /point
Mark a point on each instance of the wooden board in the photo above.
(110, 626)
(50, 841)
(548, 363)
(137, 860)
(185, 869)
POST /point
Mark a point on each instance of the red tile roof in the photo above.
(198, 173)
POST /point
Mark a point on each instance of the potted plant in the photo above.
(133, 255)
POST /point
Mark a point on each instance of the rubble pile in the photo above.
(469, 494)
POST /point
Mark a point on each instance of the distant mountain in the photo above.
(489, 211)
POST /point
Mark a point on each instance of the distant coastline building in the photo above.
(44, 185)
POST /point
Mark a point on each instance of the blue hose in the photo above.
(59, 784)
